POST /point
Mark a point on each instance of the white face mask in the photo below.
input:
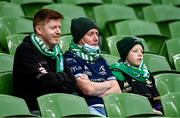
(90, 48)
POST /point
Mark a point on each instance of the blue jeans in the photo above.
(98, 110)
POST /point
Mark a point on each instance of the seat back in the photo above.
(126, 105)
(30, 7)
(6, 83)
(13, 106)
(147, 30)
(112, 40)
(64, 42)
(13, 25)
(162, 15)
(14, 41)
(171, 104)
(167, 83)
(67, 10)
(61, 105)
(156, 63)
(110, 58)
(6, 61)
(176, 60)
(15, 9)
(174, 29)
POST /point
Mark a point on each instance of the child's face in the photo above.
(135, 55)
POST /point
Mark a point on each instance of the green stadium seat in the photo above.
(69, 11)
(64, 42)
(127, 105)
(65, 27)
(171, 2)
(6, 83)
(174, 29)
(110, 58)
(63, 105)
(176, 60)
(105, 18)
(162, 15)
(10, 9)
(171, 104)
(172, 47)
(86, 4)
(147, 30)
(14, 41)
(6, 61)
(167, 82)
(30, 7)
(156, 63)
(137, 5)
(11, 106)
(13, 25)
(112, 40)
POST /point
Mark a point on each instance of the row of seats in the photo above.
(67, 105)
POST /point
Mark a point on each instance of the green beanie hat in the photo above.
(80, 26)
(126, 44)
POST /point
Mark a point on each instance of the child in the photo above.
(132, 74)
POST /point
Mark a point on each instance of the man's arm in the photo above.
(97, 88)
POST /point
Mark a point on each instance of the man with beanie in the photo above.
(132, 74)
(93, 77)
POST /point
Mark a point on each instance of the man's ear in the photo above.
(38, 29)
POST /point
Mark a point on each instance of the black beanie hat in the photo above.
(126, 44)
(80, 26)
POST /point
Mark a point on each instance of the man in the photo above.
(38, 64)
(93, 77)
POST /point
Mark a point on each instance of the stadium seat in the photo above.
(171, 2)
(13, 25)
(137, 5)
(86, 4)
(14, 41)
(30, 7)
(6, 61)
(62, 105)
(147, 30)
(69, 11)
(172, 47)
(127, 105)
(112, 40)
(167, 82)
(171, 104)
(174, 29)
(6, 83)
(162, 15)
(10, 9)
(176, 60)
(64, 42)
(156, 63)
(110, 58)
(11, 106)
(65, 27)
(105, 18)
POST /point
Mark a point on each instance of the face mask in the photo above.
(90, 48)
